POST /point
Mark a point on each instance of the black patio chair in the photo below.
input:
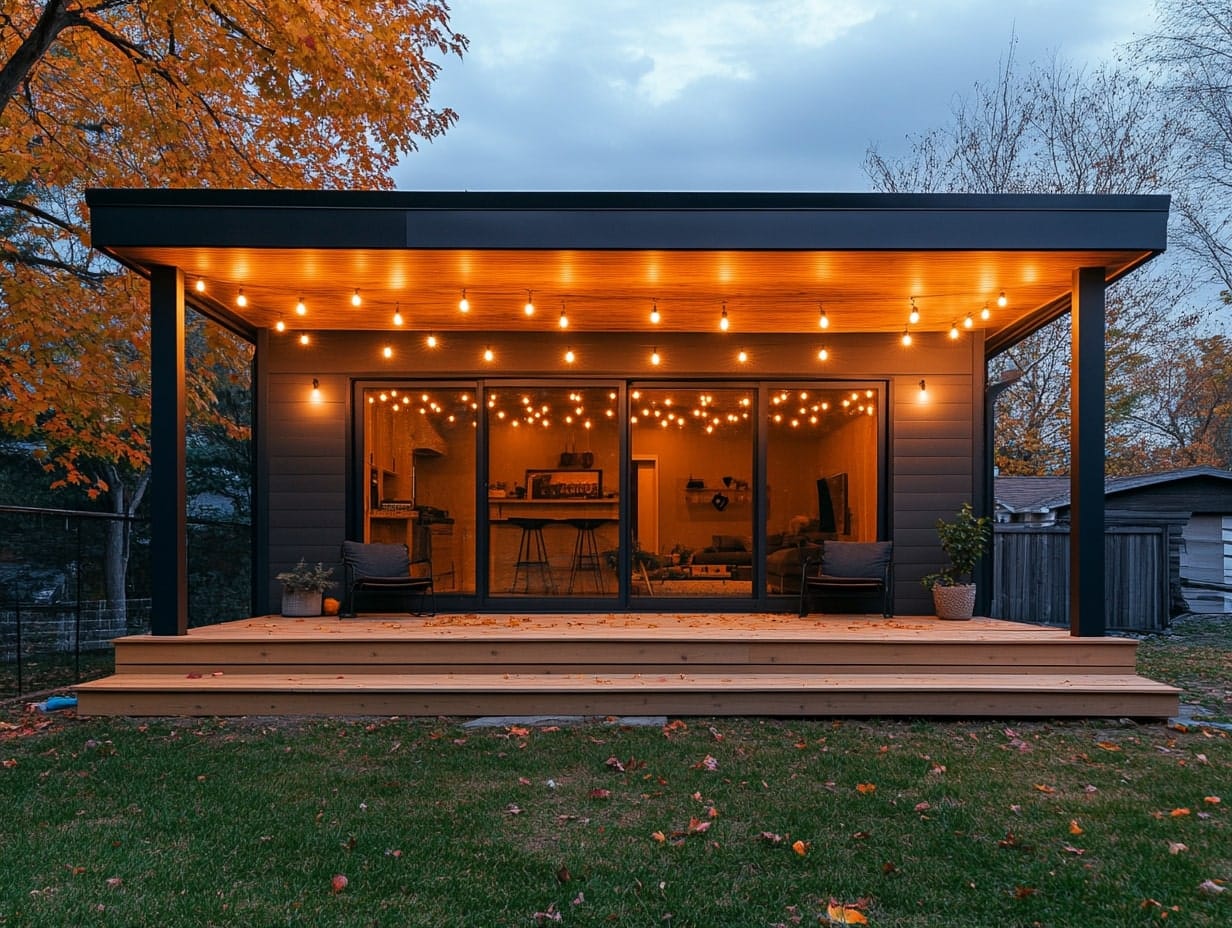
(850, 568)
(388, 569)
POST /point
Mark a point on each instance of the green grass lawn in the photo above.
(1195, 655)
(247, 823)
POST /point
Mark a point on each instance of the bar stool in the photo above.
(532, 554)
(586, 552)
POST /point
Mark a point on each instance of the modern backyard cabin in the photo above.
(608, 408)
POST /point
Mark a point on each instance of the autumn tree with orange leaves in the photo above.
(171, 93)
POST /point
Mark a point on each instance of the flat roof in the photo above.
(775, 260)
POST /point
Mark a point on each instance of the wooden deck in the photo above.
(627, 664)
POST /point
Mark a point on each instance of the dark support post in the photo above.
(1086, 478)
(261, 602)
(168, 496)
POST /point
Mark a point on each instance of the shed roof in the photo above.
(1039, 494)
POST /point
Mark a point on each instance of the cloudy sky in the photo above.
(725, 94)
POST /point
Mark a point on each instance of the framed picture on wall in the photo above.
(558, 484)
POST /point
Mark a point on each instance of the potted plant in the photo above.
(303, 587)
(964, 539)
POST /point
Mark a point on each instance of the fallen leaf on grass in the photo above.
(1076, 851)
(1024, 892)
(1176, 847)
(674, 726)
(923, 806)
(517, 731)
(1044, 788)
(8, 763)
(338, 883)
(551, 915)
(563, 875)
(658, 836)
(513, 809)
(839, 914)
(771, 838)
(698, 826)
(115, 882)
(600, 793)
(1178, 813)
(799, 847)
(866, 788)
(1212, 887)
(1212, 800)
(1074, 827)
(706, 763)
(1108, 745)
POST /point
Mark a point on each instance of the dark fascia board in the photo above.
(626, 221)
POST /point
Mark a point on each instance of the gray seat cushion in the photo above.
(866, 559)
(370, 562)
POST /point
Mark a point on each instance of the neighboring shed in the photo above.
(1201, 496)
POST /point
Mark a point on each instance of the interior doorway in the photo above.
(645, 508)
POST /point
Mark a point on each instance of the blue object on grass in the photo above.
(55, 703)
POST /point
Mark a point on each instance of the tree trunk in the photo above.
(53, 20)
(124, 503)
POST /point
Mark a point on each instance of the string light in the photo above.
(906, 337)
(398, 314)
(968, 322)
(355, 299)
(723, 322)
(823, 321)
(570, 357)
(431, 341)
(280, 326)
(241, 300)
(923, 391)
(488, 354)
(200, 285)
(529, 308)
(914, 316)
(464, 305)
(1001, 300)
(564, 319)
(304, 338)
(300, 308)
(985, 313)
(388, 351)
(654, 312)
(954, 330)
(823, 354)
(316, 390)
(743, 356)
(654, 356)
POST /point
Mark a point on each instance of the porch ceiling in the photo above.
(606, 258)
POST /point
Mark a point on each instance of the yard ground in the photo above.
(702, 822)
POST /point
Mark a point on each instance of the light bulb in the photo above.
(823, 354)
(300, 308)
(464, 305)
(570, 357)
(388, 351)
(654, 356)
(201, 285)
(743, 356)
(954, 330)
(654, 313)
(431, 341)
(823, 321)
(241, 300)
(304, 339)
(985, 313)
(488, 354)
(398, 320)
(316, 390)
(923, 391)
(355, 300)
(906, 337)
(564, 319)
(914, 316)
(1001, 300)
(529, 308)
(723, 323)
(280, 326)
(968, 322)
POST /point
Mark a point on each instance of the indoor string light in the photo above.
(564, 318)
(985, 313)
(823, 321)
(300, 308)
(1001, 300)
(240, 299)
(723, 321)
(914, 316)
(398, 314)
(464, 305)
(529, 307)
(654, 312)
(355, 298)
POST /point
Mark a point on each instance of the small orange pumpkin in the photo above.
(331, 605)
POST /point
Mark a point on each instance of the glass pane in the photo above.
(822, 469)
(419, 442)
(553, 484)
(692, 508)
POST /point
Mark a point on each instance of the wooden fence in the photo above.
(1141, 569)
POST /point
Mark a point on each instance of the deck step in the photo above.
(747, 693)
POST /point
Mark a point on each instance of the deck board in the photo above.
(625, 663)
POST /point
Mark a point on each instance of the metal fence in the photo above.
(57, 621)
(1141, 566)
